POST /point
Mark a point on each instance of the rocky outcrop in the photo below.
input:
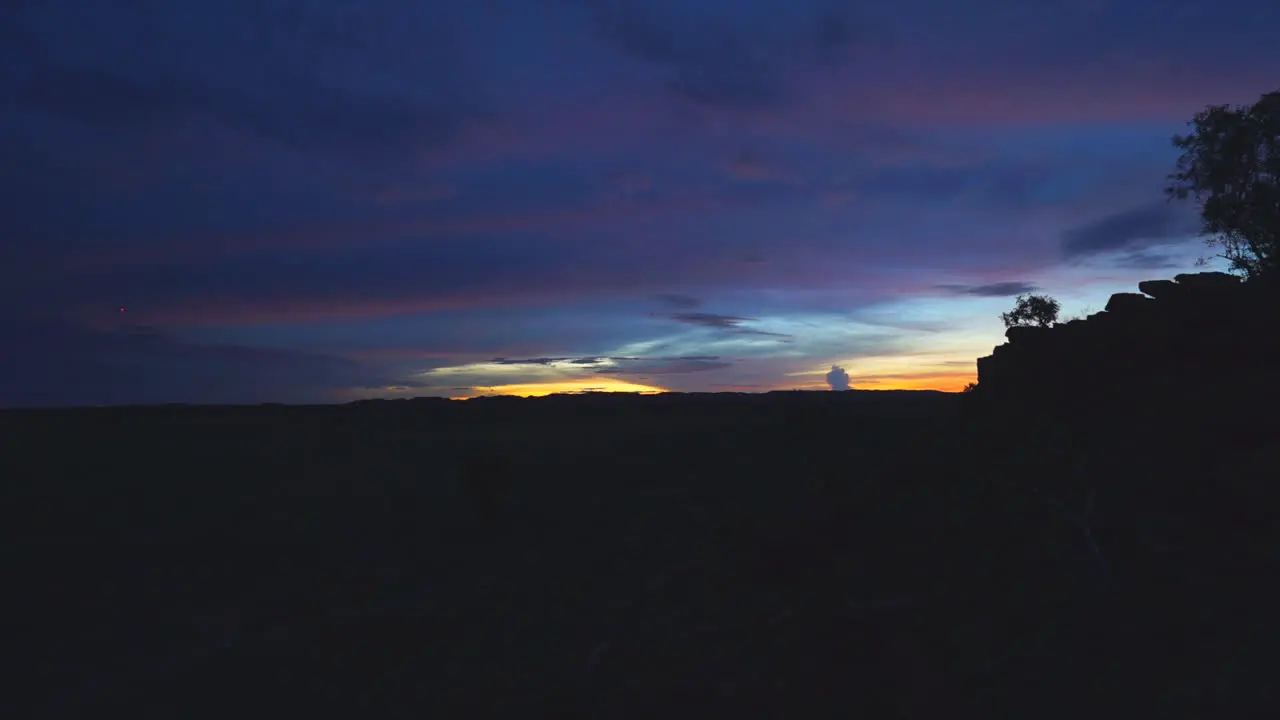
(1128, 303)
(1210, 332)
(1159, 288)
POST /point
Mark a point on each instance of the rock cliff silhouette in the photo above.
(1207, 337)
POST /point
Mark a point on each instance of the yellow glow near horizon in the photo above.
(540, 389)
(896, 372)
(945, 382)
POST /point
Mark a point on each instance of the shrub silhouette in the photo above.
(1035, 310)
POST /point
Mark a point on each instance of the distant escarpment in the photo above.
(1200, 341)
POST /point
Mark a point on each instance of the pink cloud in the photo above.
(230, 310)
(389, 232)
(868, 111)
(624, 275)
(597, 126)
(398, 194)
(1019, 95)
(749, 164)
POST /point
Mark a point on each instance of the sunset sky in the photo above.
(279, 200)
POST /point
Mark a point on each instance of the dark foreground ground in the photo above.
(786, 555)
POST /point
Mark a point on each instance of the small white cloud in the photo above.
(838, 378)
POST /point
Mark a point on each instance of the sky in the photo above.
(286, 201)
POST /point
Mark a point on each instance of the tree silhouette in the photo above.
(1230, 164)
(1037, 310)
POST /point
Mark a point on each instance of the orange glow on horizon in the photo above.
(543, 389)
(944, 382)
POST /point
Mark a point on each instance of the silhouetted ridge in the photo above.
(1206, 335)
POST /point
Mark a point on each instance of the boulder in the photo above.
(1159, 288)
(1128, 302)
(1072, 327)
(1025, 333)
(1208, 281)
(986, 367)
